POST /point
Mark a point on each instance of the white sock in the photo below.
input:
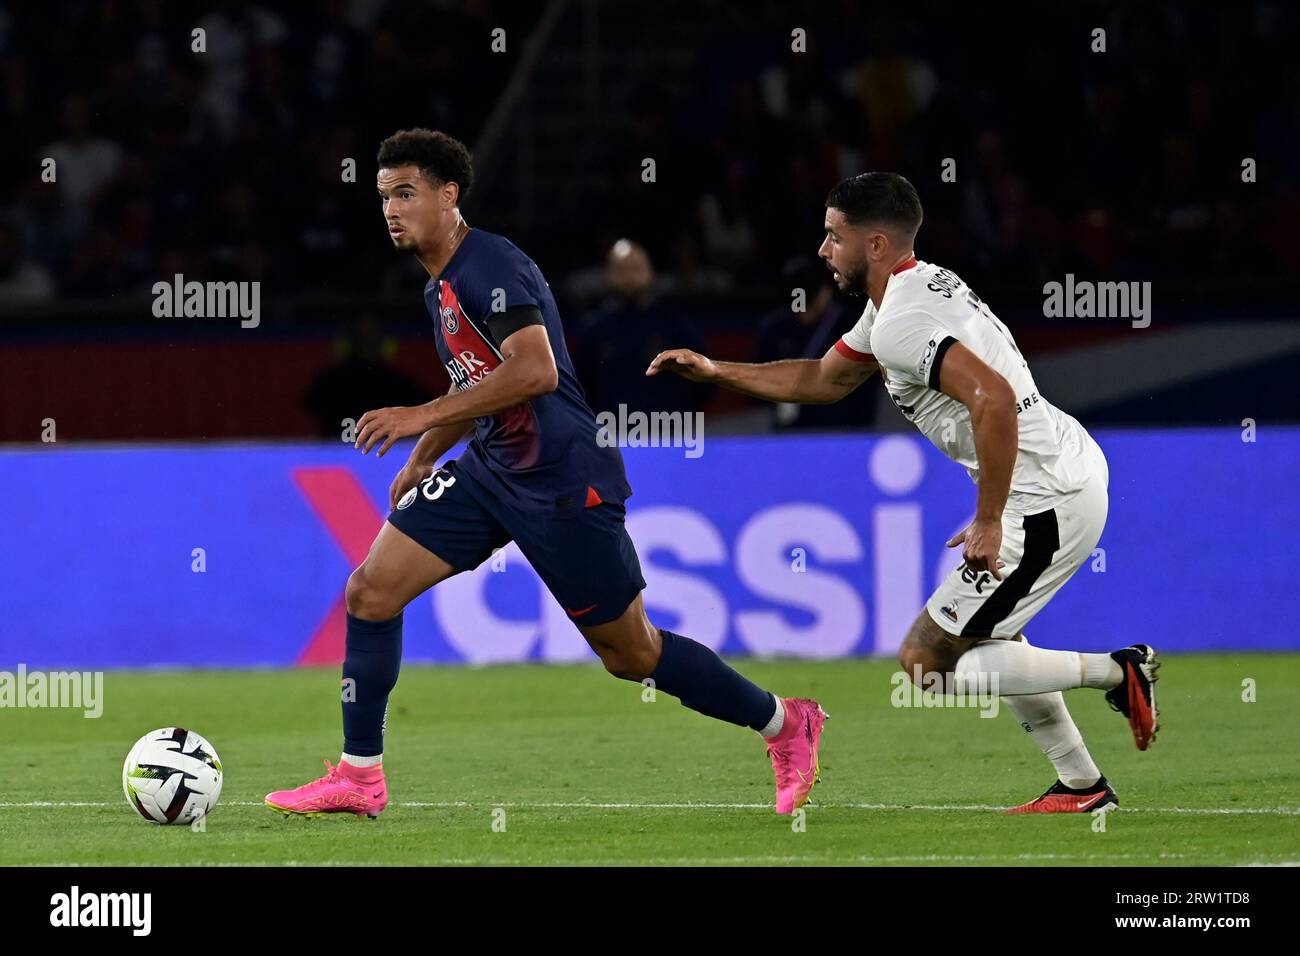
(374, 761)
(777, 722)
(1101, 671)
(1045, 716)
(1020, 668)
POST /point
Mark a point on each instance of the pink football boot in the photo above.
(794, 753)
(343, 789)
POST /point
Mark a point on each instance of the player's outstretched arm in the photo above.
(805, 381)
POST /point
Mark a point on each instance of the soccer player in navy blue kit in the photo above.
(534, 473)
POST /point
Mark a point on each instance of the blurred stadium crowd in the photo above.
(226, 165)
(226, 161)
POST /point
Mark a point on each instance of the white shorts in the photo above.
(1041, 552)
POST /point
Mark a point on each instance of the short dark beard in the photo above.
(855, 285)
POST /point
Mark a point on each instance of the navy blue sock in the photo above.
(701, 681)
(374, 656)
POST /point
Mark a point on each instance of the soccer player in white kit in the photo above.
(954, 371)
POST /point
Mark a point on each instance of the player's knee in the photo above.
(916, 662)
(367, 601)
(630, 659)
(923, 653)
(629, 663)
(623, 668)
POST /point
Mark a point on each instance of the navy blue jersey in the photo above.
(544, 450)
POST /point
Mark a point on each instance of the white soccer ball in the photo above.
(172, 776)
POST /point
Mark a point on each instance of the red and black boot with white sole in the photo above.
(1062, 799)
(1135, 695)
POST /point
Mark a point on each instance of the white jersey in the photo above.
(924, 310)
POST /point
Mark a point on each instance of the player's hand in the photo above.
(687, 364)
(983, 540)
(412, 473)
(390, 424)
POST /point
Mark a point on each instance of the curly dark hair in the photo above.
(440, 158)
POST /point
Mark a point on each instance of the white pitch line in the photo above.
(926, 807)
(932, 807)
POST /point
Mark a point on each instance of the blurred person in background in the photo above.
(362, 378)
(23, 281)
(84, 166)
(788, 333)
(616, 341)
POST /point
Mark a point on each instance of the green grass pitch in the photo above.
(582, 771)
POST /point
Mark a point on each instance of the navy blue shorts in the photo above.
(582, 554)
